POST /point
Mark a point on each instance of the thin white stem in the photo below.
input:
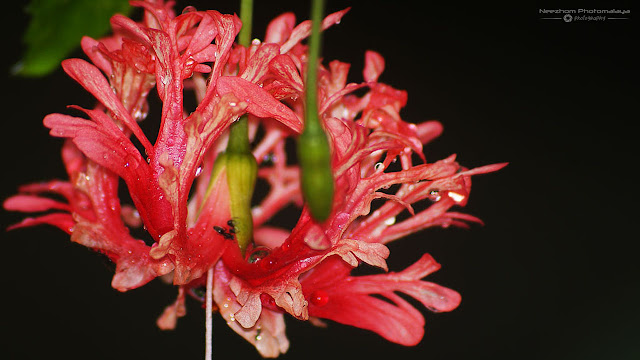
(209, 318)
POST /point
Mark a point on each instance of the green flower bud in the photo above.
(242, 170)
(316, 174)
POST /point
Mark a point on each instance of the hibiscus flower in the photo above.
(180, 195)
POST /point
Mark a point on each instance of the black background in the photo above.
(551, 275)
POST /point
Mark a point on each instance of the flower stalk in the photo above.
(313, 147)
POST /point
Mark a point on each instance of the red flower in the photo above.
(305, 271)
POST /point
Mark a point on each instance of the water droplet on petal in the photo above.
(255, 42)
(258, 253)
(189, 62)
(434, 195)
(198, 293)
(198, 171)
(319, 298)
(455, 196)
(258, 334)
(378, 167)
(268, 158)
(390, 221)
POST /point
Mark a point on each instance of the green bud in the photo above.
(316, 174)
(242, 170)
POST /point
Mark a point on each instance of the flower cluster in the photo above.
(181, 197)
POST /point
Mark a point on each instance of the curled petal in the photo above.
(134, 266)
(259, 102)
(268, 333)
(304, 29)
(373, 253)
(92, 80)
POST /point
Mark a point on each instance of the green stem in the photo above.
(246, 16)
(315, 44)
(239, 130)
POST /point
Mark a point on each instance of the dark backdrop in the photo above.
(550, 276)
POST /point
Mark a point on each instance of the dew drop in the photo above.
(126, 165)
(190, 62)
(269, 158)
(390, 221)
(198, 171)
(379, 166)
(455, 196)
(319, 298)
(434, 195)
(258, 334)
(255, 42)
(198, 293)
(257, 254)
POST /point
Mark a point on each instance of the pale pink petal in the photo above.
(90, 48)
(259, 102)
(373, 66)
(283, 66)
(93, 81)
(279, 29)
(31, 203)
(258, 63)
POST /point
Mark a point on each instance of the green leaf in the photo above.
(56, 28)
